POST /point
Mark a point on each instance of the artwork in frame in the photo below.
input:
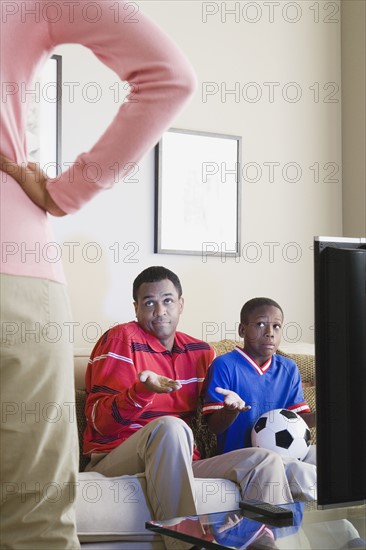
(197, 193)
(43, 126)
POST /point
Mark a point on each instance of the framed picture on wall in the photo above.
(197, 193)
(43, 128)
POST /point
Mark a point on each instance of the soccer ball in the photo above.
(282, 431)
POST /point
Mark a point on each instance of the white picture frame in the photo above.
(43, 126)
(197, 193)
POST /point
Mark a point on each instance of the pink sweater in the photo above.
(138, 51)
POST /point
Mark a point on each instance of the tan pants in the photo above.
(163, 450)
(39, 449)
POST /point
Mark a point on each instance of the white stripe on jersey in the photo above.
(190, 381)
(93, 417)
(111, 354)
(260, 370)
(300, 408)
(212, 407)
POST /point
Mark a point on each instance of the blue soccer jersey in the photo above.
(274, 385)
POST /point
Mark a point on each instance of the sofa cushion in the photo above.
(102, 502)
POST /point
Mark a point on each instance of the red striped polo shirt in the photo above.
(118, 404)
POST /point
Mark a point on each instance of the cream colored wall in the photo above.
(353, 33)
(289, 54)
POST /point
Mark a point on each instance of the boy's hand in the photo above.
(33, 182)
(158, 384)
(232, 401)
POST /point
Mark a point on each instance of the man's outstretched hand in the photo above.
(33, 182)
(158, 384)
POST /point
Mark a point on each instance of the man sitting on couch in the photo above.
(143, 384)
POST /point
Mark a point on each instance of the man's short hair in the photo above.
(253, 304)
(154, 274)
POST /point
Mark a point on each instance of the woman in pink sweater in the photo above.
(39, 442)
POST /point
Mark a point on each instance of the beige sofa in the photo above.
(111, 512)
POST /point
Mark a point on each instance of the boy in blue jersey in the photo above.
(249, 381)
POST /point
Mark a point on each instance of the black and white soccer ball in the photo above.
(282, 431)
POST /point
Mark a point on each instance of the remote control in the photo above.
(266, 509)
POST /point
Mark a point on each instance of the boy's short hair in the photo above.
(154, 274)
(253, 304)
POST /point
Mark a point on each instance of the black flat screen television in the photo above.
(340, 356)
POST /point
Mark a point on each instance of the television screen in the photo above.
(340, 355)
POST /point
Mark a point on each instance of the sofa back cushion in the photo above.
(80, 399)
(205, 440)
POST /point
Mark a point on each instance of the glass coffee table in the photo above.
(337, 528)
